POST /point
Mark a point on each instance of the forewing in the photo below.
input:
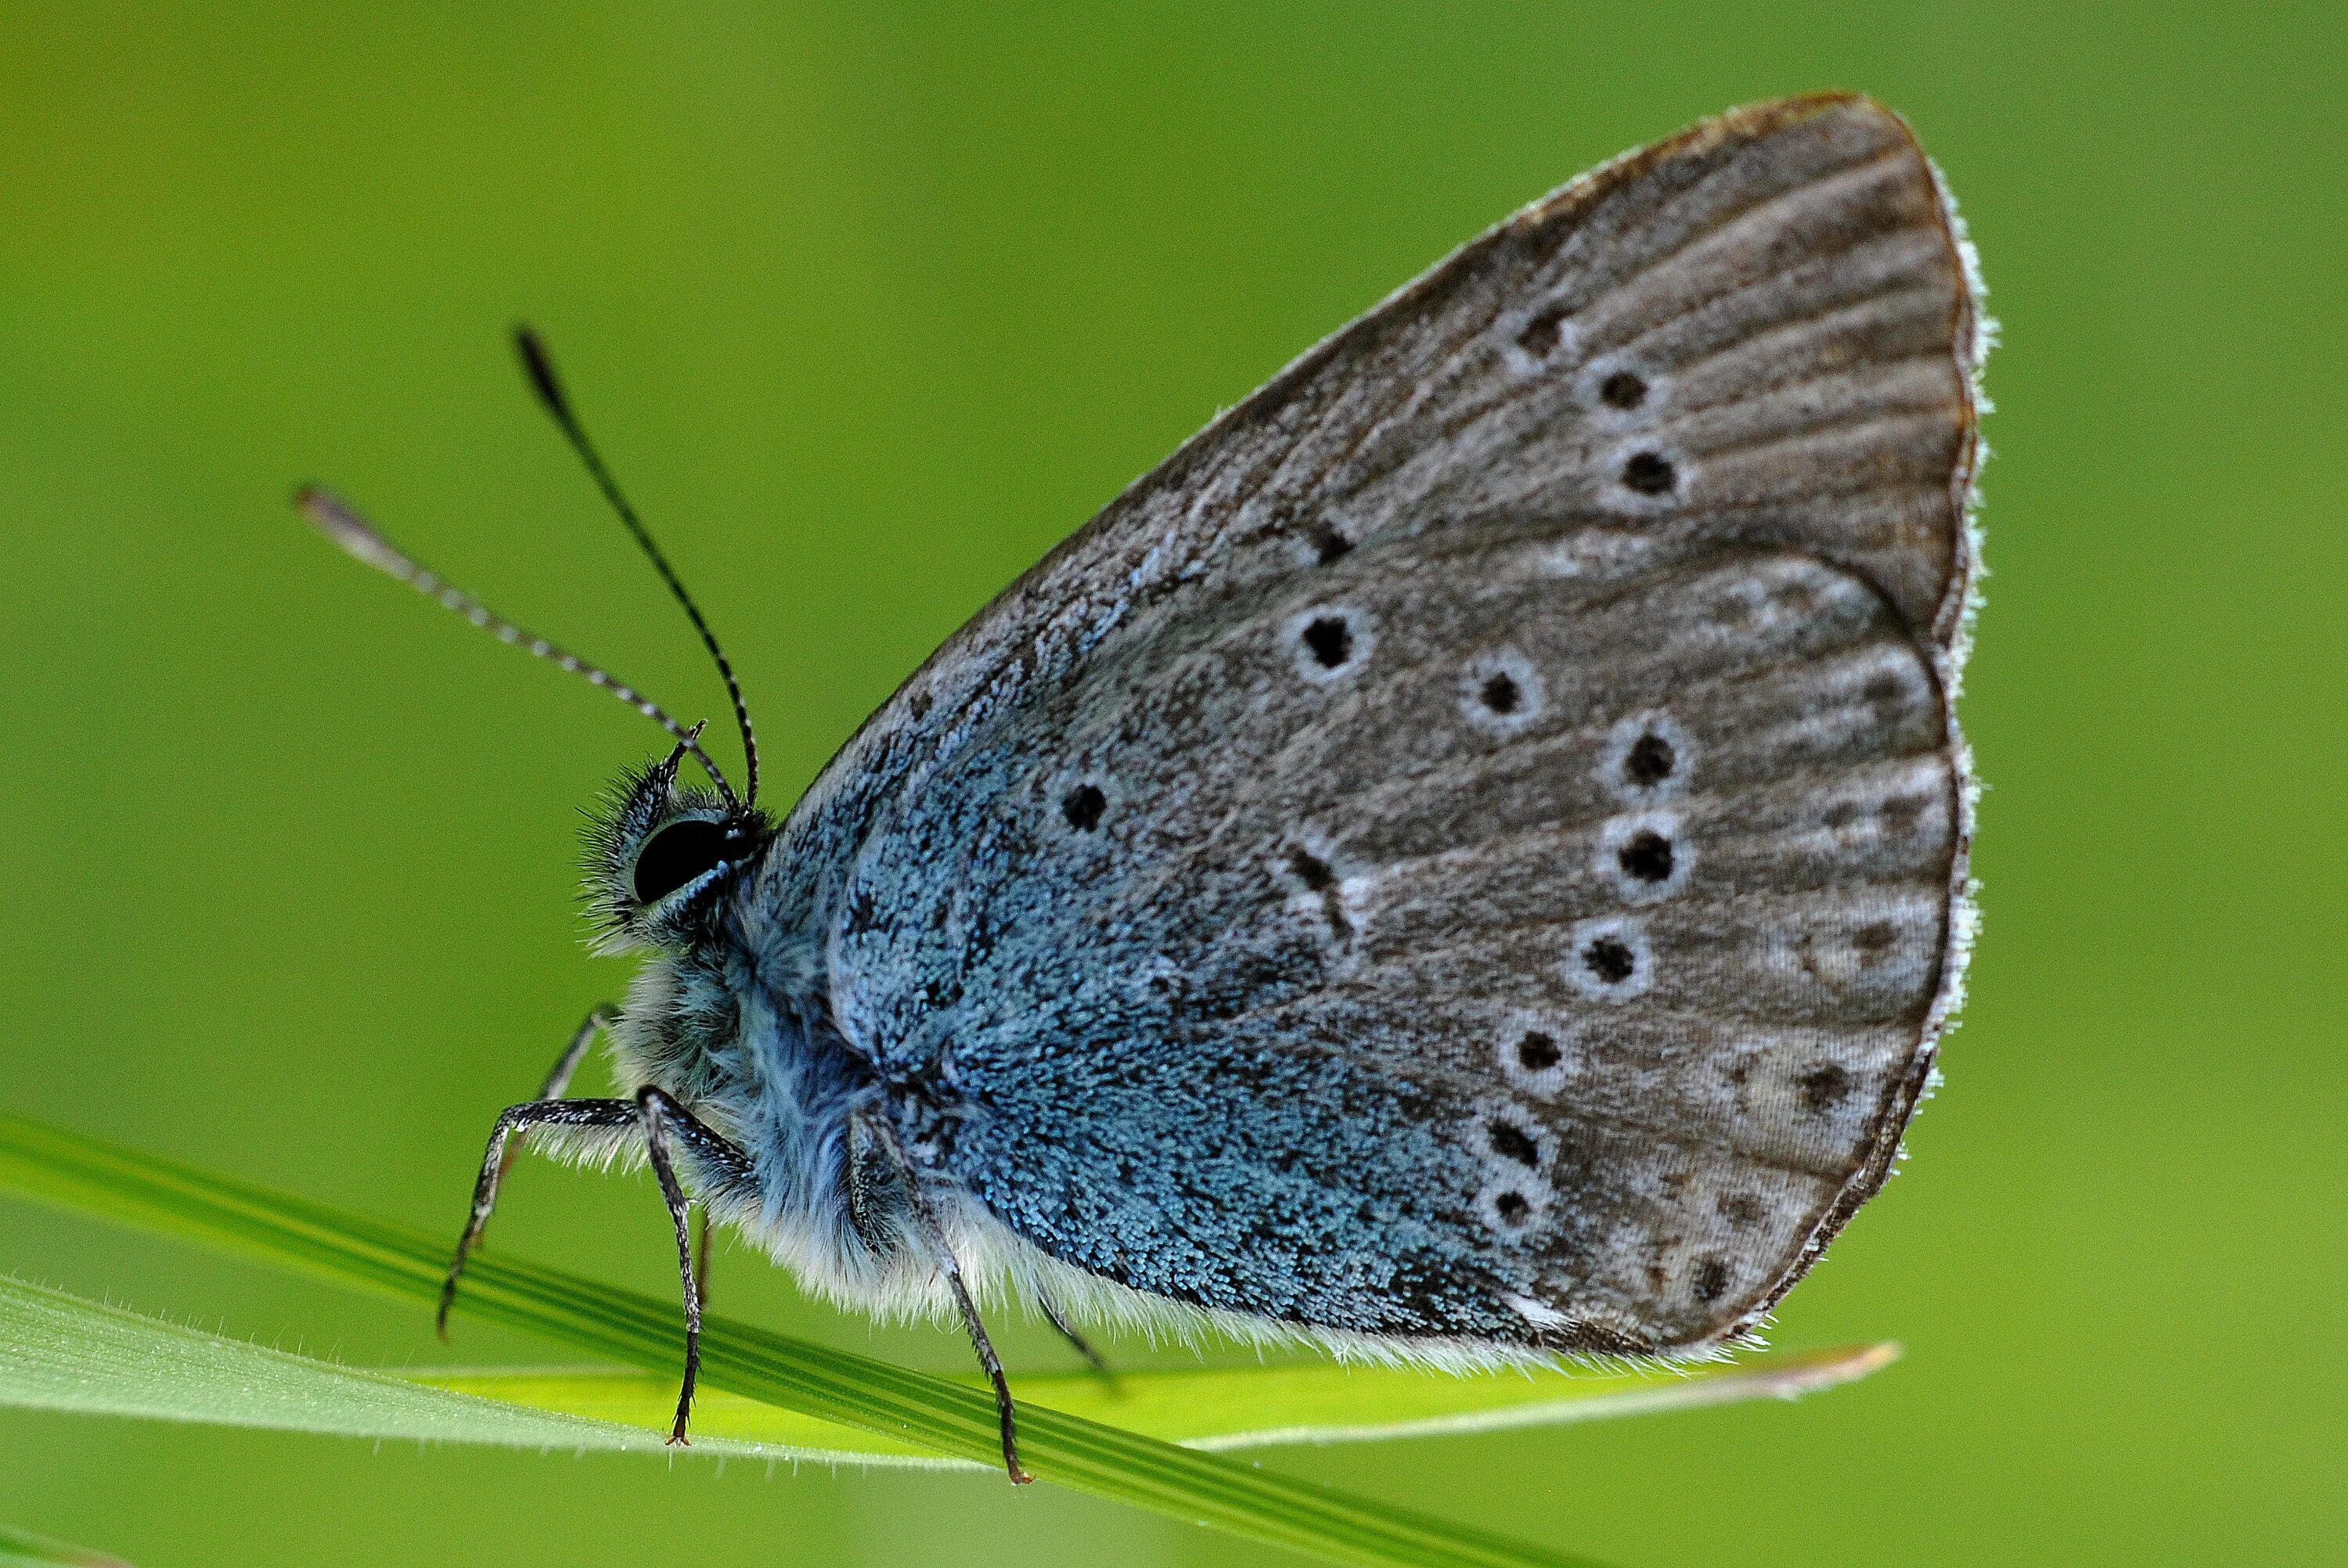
(1471, 846)
(1785, 284)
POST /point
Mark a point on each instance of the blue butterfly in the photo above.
(1465, 862)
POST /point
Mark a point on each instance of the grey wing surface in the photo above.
(1473, 847)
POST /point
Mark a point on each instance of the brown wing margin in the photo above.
(1881, 1149)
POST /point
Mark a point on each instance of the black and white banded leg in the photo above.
(661, 1112)
(661, 1119)
(510, 1140)
(951, 1267)
(558, 1082)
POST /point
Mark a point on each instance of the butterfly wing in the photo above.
(1472, 848)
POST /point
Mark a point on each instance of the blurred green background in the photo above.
(871, 305)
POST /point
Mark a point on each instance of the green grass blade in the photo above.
(65, 1353)
(23, 1549)
(86, 1174)
(60, 1352)
(1217, 1409)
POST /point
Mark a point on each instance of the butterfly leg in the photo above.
(661, 1112)
(557, 1079)
(992, 1364)
(514, 1121)
(951, 1267)
(1083, 1347)
(701, 1256)
(599, 1018)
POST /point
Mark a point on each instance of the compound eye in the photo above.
(676, 854)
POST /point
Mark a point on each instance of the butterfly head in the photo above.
(661, 854)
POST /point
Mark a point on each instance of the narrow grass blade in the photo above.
(92, 1176)
(1221, 1408)
(60, 1352)
(23, 1549)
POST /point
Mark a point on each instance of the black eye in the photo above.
(676, 854)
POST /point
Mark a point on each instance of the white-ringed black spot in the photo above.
(1624, 389)
(1540, 336)
(1608, 958)
(1536, 1054)
(1500, 692)
(1511, 1142)
(1649, 762)
(1648, 473)
(1646, 856)
(1538, 339)
(1647, 758)
(1622, 392)
(1082, 806)
(1711, 1282)
(1329, 640)
(1514, 1202)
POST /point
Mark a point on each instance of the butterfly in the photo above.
(1464, 862)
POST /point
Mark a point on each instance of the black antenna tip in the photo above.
(539, 367)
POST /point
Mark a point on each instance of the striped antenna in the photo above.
(362, 541)
(540, 367)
